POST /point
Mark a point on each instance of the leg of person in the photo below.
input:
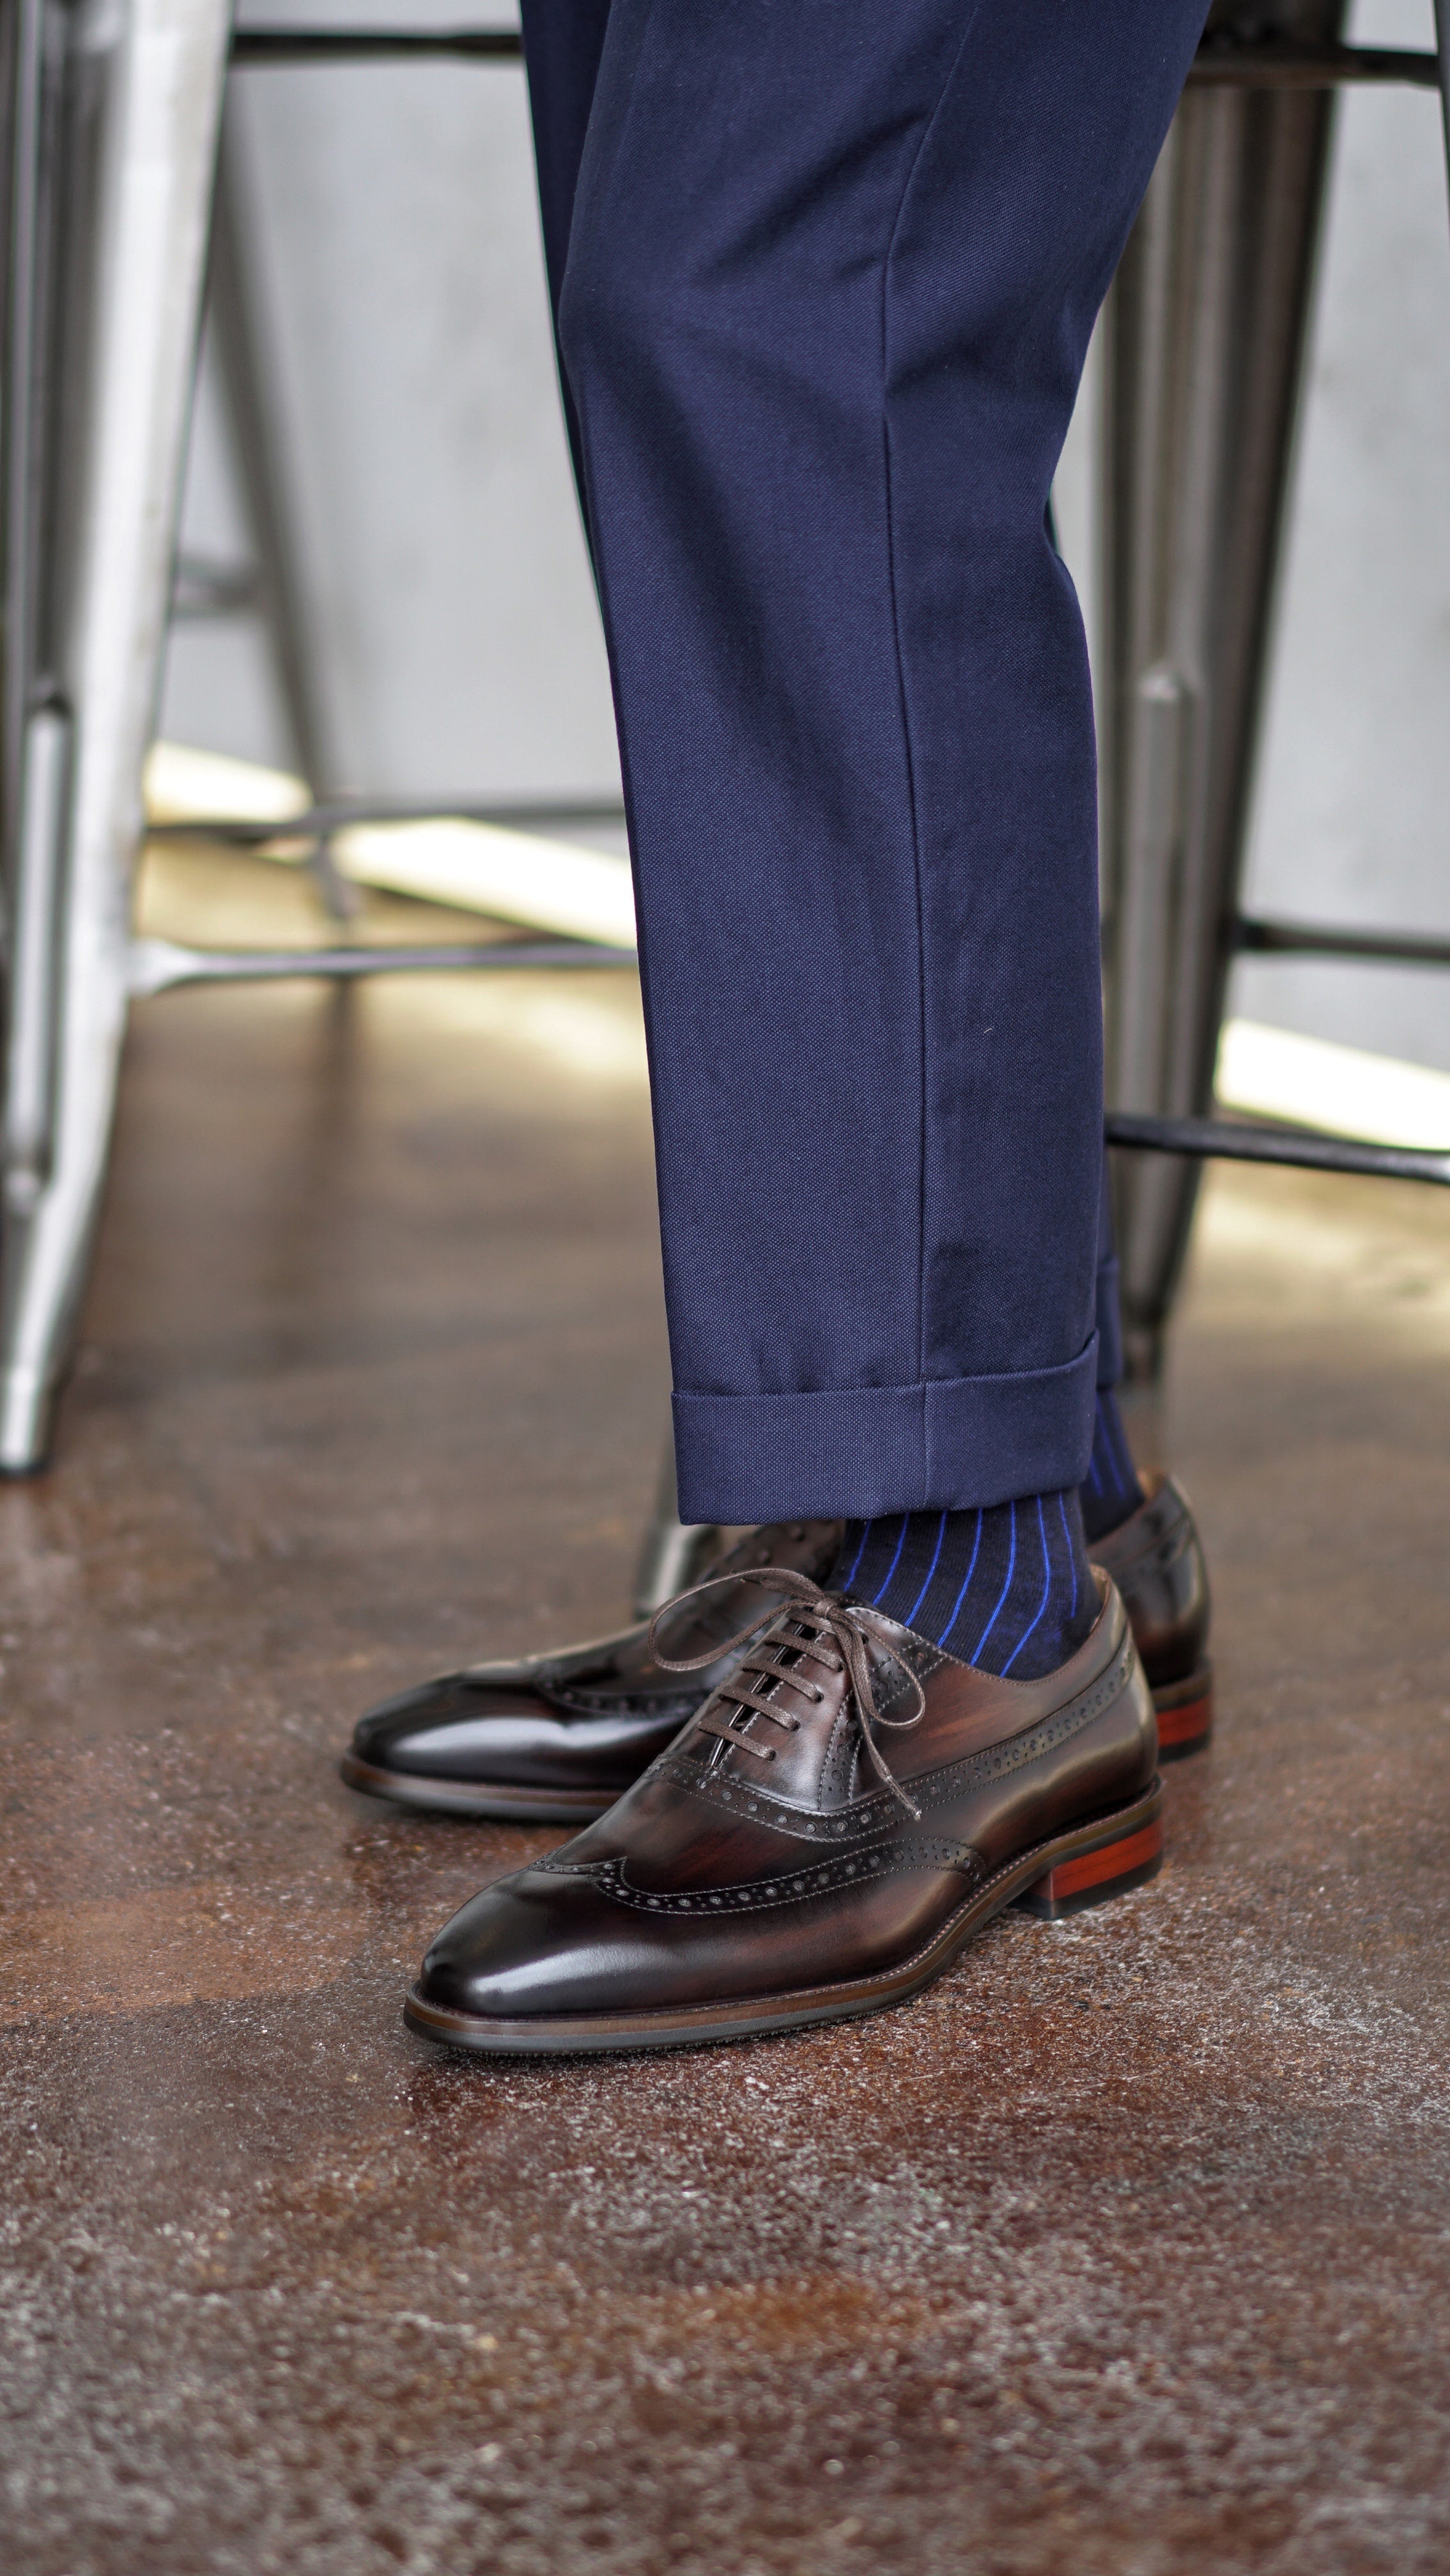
(565, 42)
(830, 279)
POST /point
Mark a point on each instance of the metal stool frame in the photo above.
(111, 140)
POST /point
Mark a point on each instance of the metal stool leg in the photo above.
(240, 342)
(1205, 335)
(112, 118)
(674, 1552)
(1442, 46)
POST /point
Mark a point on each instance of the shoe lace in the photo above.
(825, 1629)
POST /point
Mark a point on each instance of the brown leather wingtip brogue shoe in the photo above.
(555, 1739)
(832, 1828)
(1155, 1558)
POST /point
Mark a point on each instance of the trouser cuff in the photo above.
(952, 1444)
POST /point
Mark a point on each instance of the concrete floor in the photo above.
(1126, 2250)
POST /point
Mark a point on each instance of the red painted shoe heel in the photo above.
(1185, 1714)
(1091, 1876)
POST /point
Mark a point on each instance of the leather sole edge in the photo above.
(1185, 1714)
(699, 2026)
(481, 1802)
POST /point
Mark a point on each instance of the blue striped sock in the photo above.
(1007, 1588)
(1110, 1490)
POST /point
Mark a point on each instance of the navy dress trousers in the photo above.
(824, 274)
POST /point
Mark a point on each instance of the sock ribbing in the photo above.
(1007, 1588)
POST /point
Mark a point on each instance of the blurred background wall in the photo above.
(394, 240)
(394, 246)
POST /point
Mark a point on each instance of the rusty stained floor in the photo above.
(1125, 2251)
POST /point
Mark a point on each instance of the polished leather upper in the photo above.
(761, 1855)
(589, 1718)
(1155, 1557)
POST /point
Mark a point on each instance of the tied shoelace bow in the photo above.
(826, 1630)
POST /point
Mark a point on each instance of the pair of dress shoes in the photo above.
(804, 1810)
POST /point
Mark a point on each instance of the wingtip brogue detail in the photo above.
(705, 1907)
(1155, 1558)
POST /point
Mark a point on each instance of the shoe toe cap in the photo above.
(450, 1727)
(531, 1945)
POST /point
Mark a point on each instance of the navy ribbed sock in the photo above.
(1110, 1490)
(1008, 1588)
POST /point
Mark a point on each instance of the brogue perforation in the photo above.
(795, 1887)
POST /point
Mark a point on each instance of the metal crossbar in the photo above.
(1228, 62)
(375, 44)
(1306, 939)
(163, 965)
(340, 813)
(1223, 62)
(1222, 1140)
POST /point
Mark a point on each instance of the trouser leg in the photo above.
(830, 277)
(565, 40)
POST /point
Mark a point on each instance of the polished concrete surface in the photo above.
(1125, 2251)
